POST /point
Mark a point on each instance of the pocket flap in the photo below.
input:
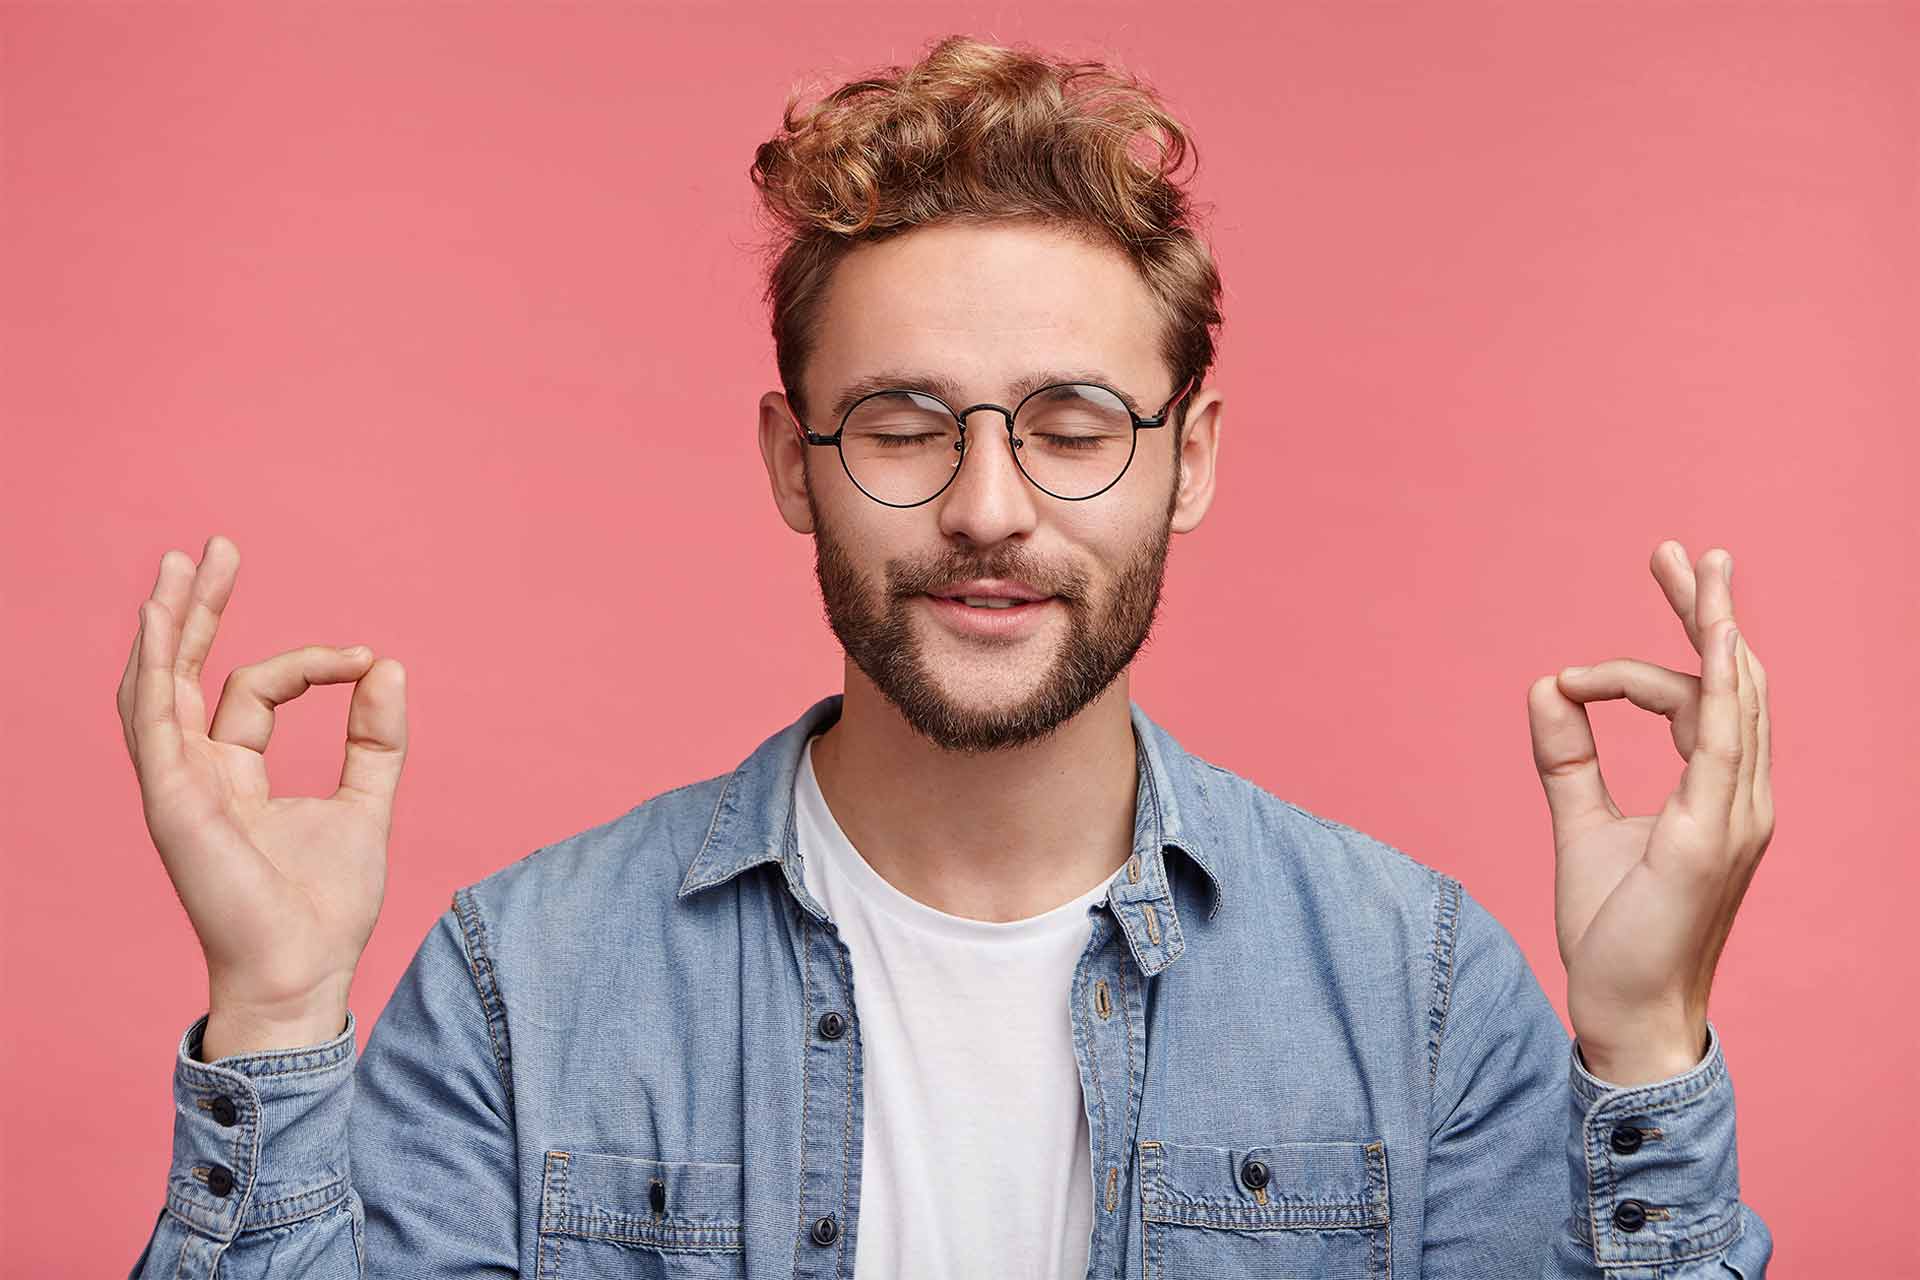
(1308, 1184)
(597, 1196)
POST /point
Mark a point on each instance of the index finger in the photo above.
(1700, 595)
(212, 588)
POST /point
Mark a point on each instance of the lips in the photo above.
(1002, 618)
(974, 590)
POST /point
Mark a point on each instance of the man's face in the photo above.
(986, 306)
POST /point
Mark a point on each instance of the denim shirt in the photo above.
(635, 1053)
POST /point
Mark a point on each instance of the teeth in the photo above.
(988, 602)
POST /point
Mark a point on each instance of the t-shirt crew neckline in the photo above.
(910, 911)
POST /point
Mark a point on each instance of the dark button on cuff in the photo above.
(219, 1179)
(657, 1196)
(1626, 1139)
(825, 1230)
(1630, 1216)
(1254, 1174)
(832, 1026)
(224, 1111)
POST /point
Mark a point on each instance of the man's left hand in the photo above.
(1643, 905)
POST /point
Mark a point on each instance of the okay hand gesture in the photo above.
(1643, 904)
(283, 891)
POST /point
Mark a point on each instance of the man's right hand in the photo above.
(282, 890)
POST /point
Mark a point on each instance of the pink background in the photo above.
(445, 314)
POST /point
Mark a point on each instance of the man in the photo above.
(971, 970)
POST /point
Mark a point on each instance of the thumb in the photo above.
(1568, 760)
(376, 735)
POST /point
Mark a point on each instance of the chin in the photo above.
(985, 686)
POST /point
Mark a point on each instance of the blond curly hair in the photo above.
(981, 132)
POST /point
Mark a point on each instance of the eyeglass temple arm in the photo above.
(1160, 419)
(806, 433)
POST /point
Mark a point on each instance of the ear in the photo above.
(1199, 457)
(785, 451)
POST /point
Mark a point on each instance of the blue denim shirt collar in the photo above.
(753, 823)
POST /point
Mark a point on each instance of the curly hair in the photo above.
(981, 132)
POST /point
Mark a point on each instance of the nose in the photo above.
(989, 499)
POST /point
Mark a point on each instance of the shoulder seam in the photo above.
(473, 932)
(1446, 916)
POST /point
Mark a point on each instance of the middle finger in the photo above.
(1713, 590)
(1674, 572)
(169, 587)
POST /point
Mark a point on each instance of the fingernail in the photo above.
(1733, 639)
(358, 651)
(1729, 568)
(1572, 671)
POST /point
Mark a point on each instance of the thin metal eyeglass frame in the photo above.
(960, 417)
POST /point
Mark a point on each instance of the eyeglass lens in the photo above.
(902, 447)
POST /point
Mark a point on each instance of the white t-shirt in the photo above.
(976, 1156)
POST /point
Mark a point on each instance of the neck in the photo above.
(997, 836)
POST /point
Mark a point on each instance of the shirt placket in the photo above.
(831, 1107)
(1110, 1043)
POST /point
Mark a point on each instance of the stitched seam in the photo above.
(1617, 1104)
(473, 933)
(1099, 1088)
(1126, 1009)
(806, 1076)
(713, 825)
(259, 1218)
(846, 1123)
(1446, 912)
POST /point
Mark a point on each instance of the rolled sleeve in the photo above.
(292, 1103)
(1654, 1168)
(1631, 1181)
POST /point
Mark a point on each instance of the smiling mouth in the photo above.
(988, 602)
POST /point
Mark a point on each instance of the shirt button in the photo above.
(657, 1197)
(1254, 1174)
(832, 1026)
(219, 1179)
(1626, 1139)
(825, 1230)
(223, 1110)
(1630, 1216)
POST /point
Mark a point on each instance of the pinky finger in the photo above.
(156, 729)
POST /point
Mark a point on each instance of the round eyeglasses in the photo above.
(1072, 440)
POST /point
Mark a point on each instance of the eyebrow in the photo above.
(953, 393)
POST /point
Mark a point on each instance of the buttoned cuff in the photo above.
(1654, 1167)
(259, 1139)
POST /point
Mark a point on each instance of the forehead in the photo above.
(986, 306)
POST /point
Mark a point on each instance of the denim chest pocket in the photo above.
(1283, 1210)
(604, 1216)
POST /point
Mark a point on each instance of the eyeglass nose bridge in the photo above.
(960, 416)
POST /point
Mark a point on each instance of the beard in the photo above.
(875, 627)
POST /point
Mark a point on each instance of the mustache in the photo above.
(908, 578)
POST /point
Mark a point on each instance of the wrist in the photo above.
(1643, 1063)
(230, 1032)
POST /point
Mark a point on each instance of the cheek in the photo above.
(1114, 534)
